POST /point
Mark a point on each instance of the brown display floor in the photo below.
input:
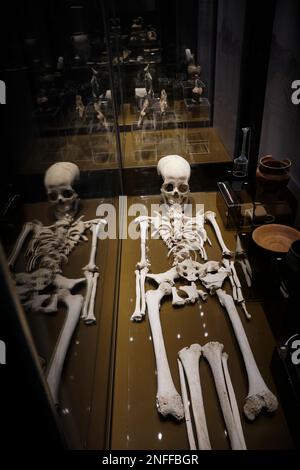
(136, 423)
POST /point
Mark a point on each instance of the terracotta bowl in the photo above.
(274, 237)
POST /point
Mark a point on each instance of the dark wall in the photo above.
(206, 42)
(230, 29)
(281, 122)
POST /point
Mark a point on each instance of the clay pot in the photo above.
(272, 174)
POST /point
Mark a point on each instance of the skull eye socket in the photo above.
(67, 193)
(53, 196)
(168, 187)
(183, 187)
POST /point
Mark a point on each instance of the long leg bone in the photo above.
(90, 319)
(189, 358)
(187, 414)
(26, 230)
(74, 305)
(213, 353)
(168, 401)
(232, 399)
(259, 396)
(210, 216)
(137, 316)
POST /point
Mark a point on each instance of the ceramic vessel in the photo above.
(272, 174)
(275, 237)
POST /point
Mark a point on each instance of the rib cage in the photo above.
(181, 234)
(51, 246)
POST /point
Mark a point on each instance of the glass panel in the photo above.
(61, 111)
(175, 97)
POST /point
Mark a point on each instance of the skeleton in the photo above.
(185, 239)
(188, 364)
(47, 252)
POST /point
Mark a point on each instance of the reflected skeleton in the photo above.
(48, 250)
(185, 238)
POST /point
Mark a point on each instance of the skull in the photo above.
(175, 171)
(59, 180)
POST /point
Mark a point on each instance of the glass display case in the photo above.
(99, 92)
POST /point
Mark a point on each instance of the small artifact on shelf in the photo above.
(192, 69)
(197, 90)
(163, 102)
(80, 108)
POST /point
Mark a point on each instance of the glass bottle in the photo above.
(240, 164)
